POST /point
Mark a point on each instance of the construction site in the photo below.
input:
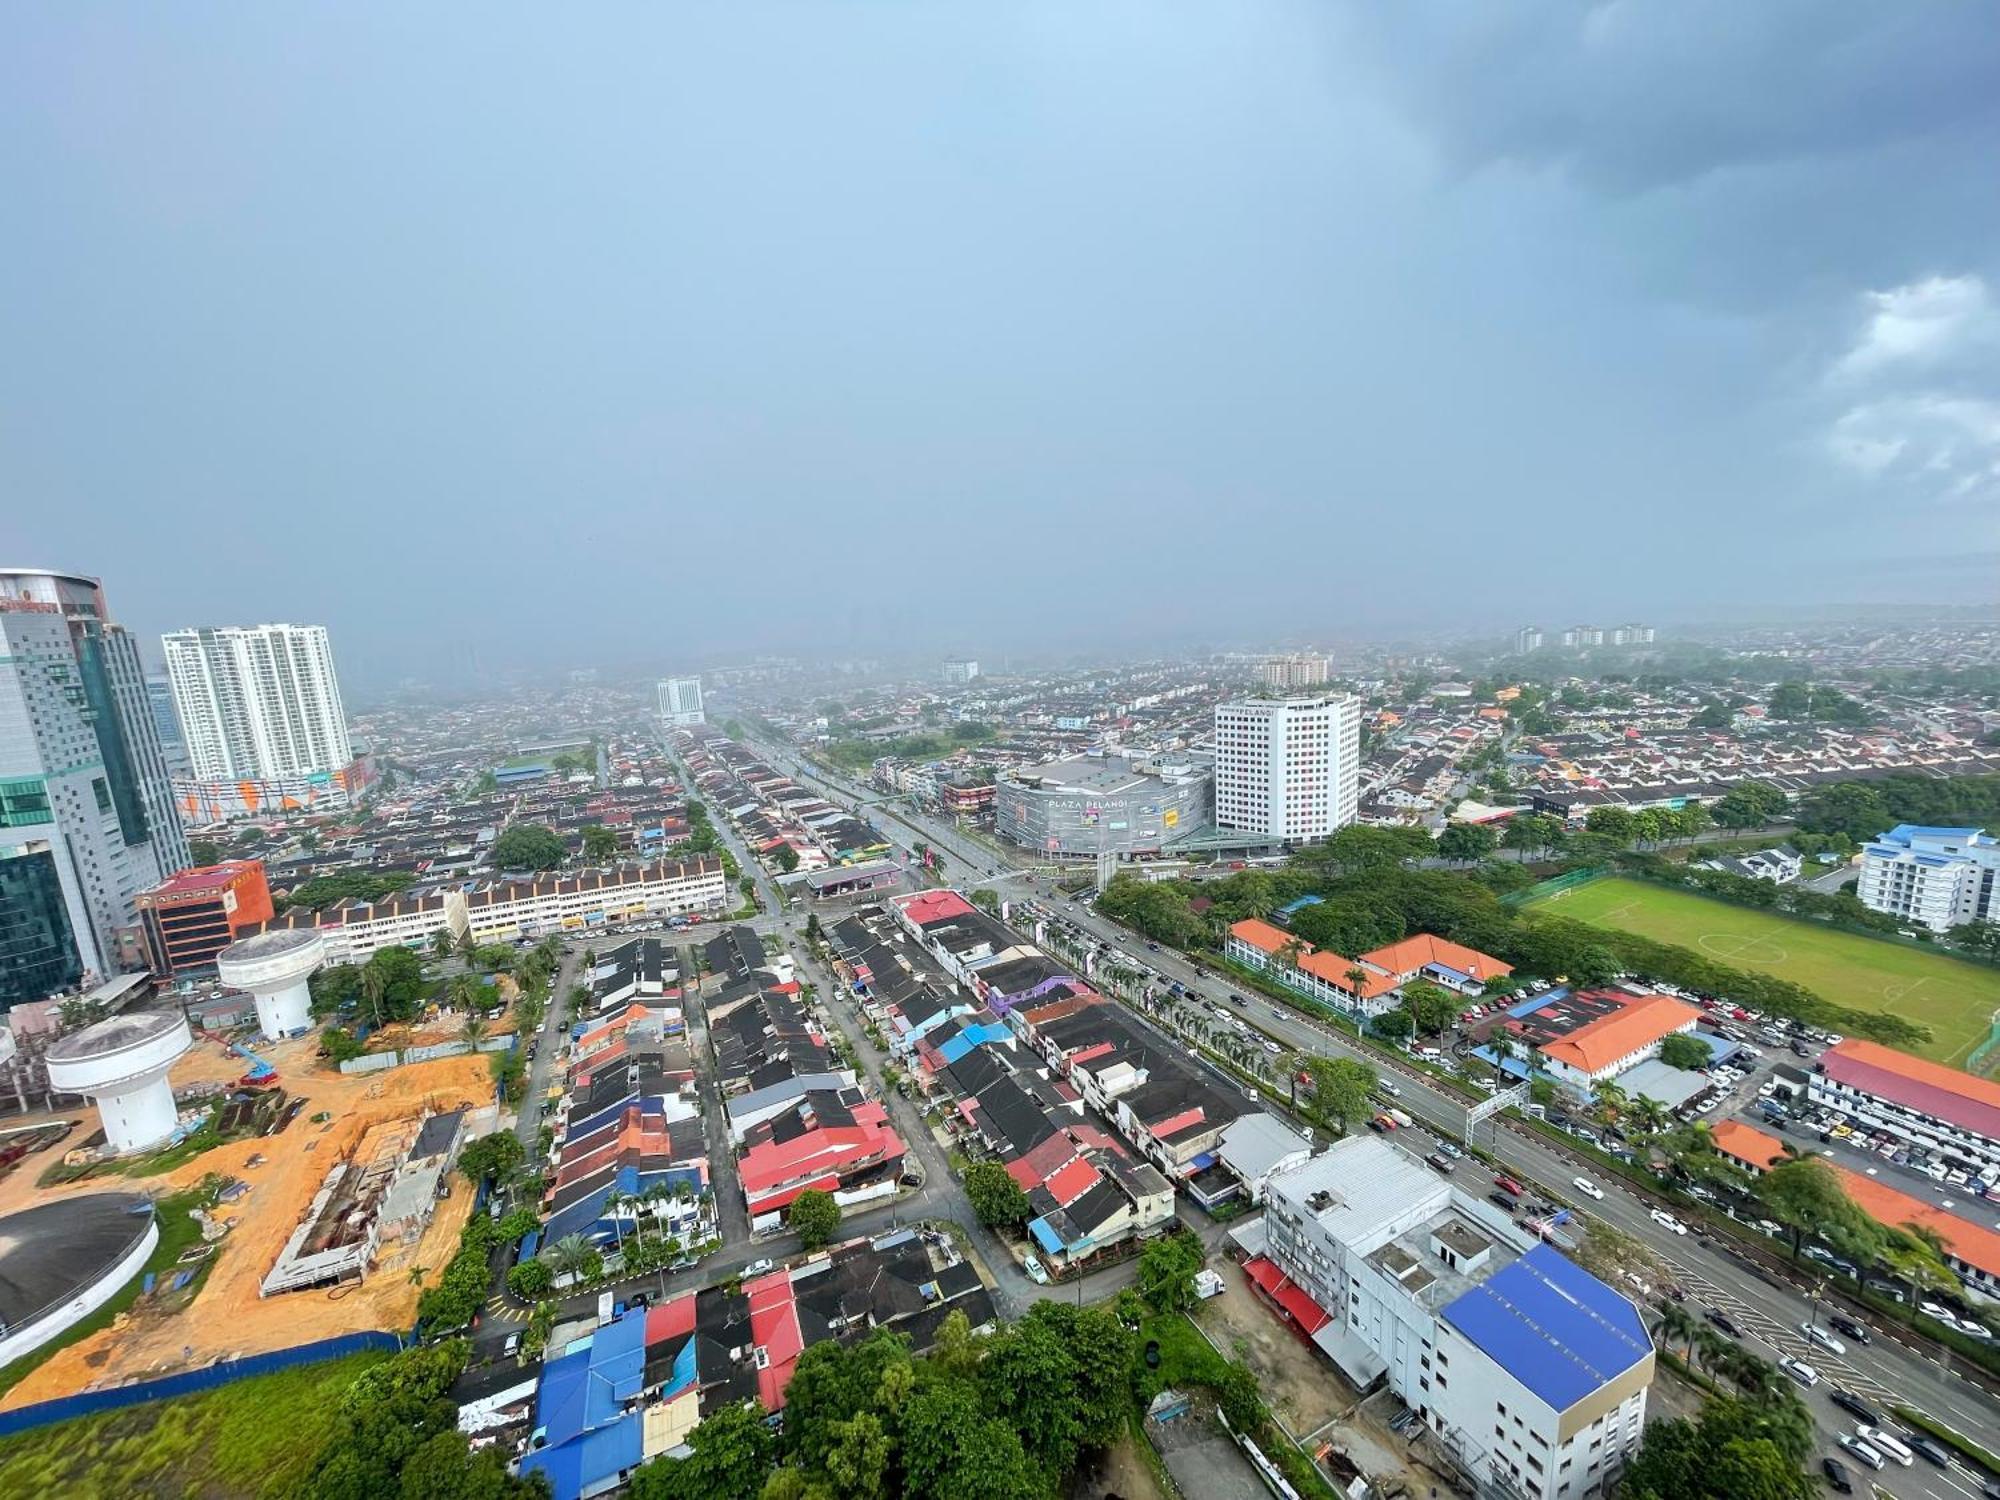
(369, 1133)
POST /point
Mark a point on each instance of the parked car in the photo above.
(1034, 1269)
(759, 1268)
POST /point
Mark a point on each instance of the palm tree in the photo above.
(1710, 1344)
(417, 1274)
(441, 942)
(1677, 1323)
(464, 989)
(374, 985)
(473, 1029)
(570, 1254)
(1648, 1114)
(467, 946)
(1610, 1101)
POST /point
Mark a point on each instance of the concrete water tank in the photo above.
(274, 967)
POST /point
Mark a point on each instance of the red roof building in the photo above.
(190, 918)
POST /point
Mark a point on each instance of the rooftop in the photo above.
(1553, 1326)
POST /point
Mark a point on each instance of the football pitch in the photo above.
(1956, 1000)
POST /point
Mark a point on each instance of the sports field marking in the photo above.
(1748, 950)
(1618, 913)
(1893, 994)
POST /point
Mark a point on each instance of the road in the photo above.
(1771, 1311)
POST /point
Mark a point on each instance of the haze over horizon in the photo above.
(634, 335)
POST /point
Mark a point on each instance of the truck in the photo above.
(1399, 1117)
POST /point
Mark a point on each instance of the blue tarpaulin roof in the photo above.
(685, 1372)
(1552, 1325)
(1045, 1236)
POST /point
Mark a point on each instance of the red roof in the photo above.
(934, 906)
(1596, 1045)
(1288, 1294)
(1957, 1098)
(206, 878)
(670, 1320)
(774, 1328)
(1075, 1179)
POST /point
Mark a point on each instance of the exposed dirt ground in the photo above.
(229, 1317)
(1298, 1385)
(1120, 1471)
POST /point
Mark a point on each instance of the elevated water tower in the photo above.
(274, 967)
(121, 1066)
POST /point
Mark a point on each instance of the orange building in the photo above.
(195, 915)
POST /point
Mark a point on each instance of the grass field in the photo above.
(252, 1438)
(1955, 999)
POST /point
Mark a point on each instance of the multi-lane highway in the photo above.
(1767, 1311)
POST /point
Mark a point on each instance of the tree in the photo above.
(1341, 1087)
(1612, 821)
(1393, 1025)
(600, 844)
(995, 1196)
(1533, 833)
(1167, 1270)
(787, 858)
(1805, 1194)
(340, 1044)
(1466, 843)
(374, 987)
(393, 982)
(814, 1217)
(1432, 1007)
(530, 1279)
(729, 1458)
(204, 851)
(953, 1450)
(1682, 1050)
(497, 1155)
(528, 846)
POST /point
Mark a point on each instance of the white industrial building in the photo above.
(680, 702)
(1528, 1370)
(258, 702)
(1932, 877)
(1288, 767)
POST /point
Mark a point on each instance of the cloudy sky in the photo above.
(654, 334)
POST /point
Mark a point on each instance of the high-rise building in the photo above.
(84, 790)
(960, 670)
(1289, 768)
(1295, 671)
(258, 702)
(167, 723)
(680, 701)
(1528, 638)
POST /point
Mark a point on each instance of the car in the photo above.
(1930, 1450)
(1450, 1150)
(1937, 1310)
(759, 1268)
(1884, 1442)
(1972, 1328)
(1723, 1321)
(1861, 1451)
(512, 1347)
(1849, 1402)
(1152, 947)
(1508, 1184)
(1273, 1048)
(1035, 1272)
(1501, 1199)
(1389, 1088)
(1818, 1335)
(1236, 999)
(1846, 1325)
(1586, 1187)
(1836, 1476)
(1799, 1370)
(1439, 1160)
(1668, 1222)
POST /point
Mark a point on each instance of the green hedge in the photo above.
(1964, 1445)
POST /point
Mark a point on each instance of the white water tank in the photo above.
(274, 967)
(121, 1066)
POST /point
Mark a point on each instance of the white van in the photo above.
(1885, 1442)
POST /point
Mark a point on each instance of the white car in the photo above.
(1799, 1370)
(759, 1268)
(1885, 1442)
(1820, 1336)
(1588, 1188)
(1667, 1221)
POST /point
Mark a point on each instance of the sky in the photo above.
(659, 335)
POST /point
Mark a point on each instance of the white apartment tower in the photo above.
(960, 670)
(1528, 638)
(1289, 768)
(1934, 877)
(258, 702)
(680, 701)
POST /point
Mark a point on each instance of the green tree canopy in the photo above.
(1167, 1270)
(528, 846)
(1467, 842)
(995, 1196)
(814, 1217)
(1432, 1007)
(1684, 1051)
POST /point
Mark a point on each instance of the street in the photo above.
(1884, 1372)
